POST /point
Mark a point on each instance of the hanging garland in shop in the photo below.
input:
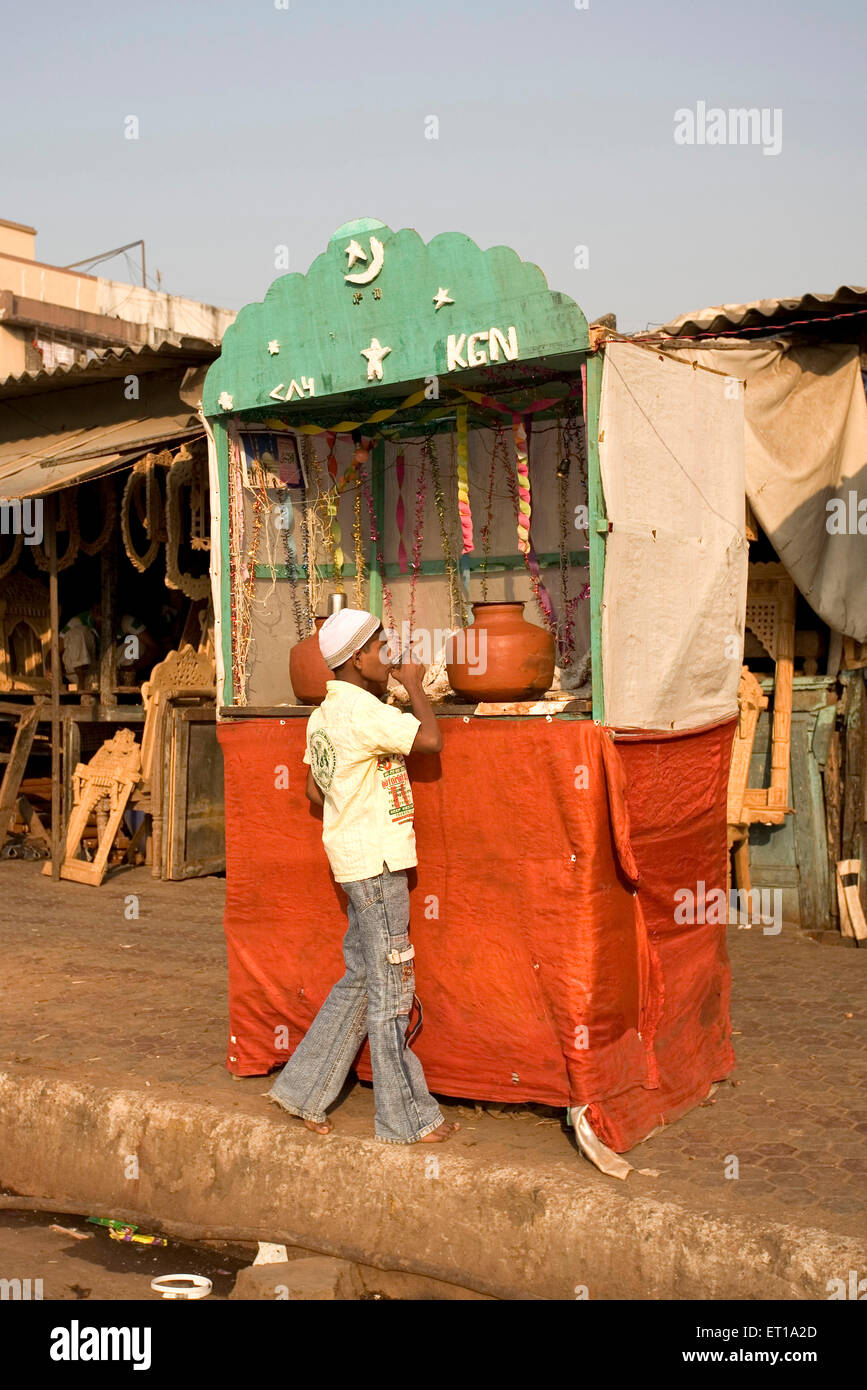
(67, 520)
(108, 512)
(186, 474)
(142, 491)
(7, 565)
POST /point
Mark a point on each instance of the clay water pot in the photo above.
(307, 670)
(503, 657)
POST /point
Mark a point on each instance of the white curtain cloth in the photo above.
(806, 448)
(672, 460)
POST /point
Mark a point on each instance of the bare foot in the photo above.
(324, 1128)
(440, 1134)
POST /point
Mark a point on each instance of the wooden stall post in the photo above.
(107, 655)
(378, 491)
(54, 618)
(598, 529)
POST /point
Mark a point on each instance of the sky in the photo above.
(269, 123)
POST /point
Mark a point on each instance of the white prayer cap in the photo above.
(341, 635)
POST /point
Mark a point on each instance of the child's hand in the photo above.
(410, 674)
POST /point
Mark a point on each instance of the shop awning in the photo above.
(79, 423)
(59, 460)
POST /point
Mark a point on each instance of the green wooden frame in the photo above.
(309, 326)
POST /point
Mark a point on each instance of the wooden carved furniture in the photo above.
(770, 615)
(187, 479)
(852, 921)
(185, 674)
(11, 805)
(751, 701)
(25, 635)
(108, 779)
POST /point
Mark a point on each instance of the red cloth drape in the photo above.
(543, 974)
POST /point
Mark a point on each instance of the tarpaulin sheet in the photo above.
(537, 974)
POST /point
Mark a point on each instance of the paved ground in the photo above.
(92, 994)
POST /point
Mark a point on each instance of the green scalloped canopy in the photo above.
(377, 289)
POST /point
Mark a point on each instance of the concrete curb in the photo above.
(506, 1231)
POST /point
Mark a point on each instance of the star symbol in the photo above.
(224, 401)
(354, 253)
(273, 347)
(374, 355)
(442, 297)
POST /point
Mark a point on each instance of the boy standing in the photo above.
(355, 751)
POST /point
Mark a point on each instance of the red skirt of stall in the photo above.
(549, 965)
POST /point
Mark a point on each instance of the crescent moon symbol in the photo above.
(377, 251)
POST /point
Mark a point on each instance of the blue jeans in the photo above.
(373, 999)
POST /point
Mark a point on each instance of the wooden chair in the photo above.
(110, 776)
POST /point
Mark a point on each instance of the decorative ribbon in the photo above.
(400, 512)
(523, 508)
(464, 482)
(415, 398)
(522, 465)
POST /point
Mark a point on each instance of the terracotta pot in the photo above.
(307, 670)
(503, 656)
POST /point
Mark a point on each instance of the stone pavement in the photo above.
(95, 999)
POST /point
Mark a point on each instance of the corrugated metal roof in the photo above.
(109, 362)
(766, 313)
(58, 460)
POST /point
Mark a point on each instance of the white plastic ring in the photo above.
(169, 1285)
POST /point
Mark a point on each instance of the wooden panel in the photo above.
(809, 825)
(195, 817)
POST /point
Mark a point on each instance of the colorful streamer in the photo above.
(464, 482)
(522, 465)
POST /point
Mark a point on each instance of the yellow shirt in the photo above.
(355, 746)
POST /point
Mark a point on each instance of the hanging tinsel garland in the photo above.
(499, 449)
(239, 615)
(358, 543)
(455, 600)
(400, 511)
(387, 610)
(286, 514)
(417, 534)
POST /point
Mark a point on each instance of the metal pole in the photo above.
(56, 849)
